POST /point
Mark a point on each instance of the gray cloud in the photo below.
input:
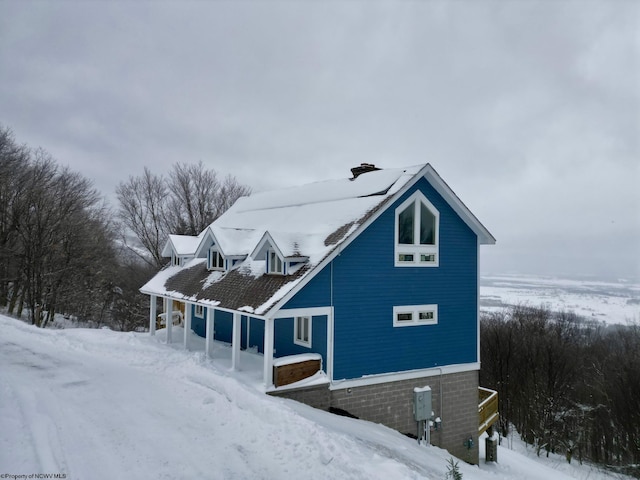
(529, 110)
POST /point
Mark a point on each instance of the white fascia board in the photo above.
(299, 258)
(408, 375)
(260, 249)
(201, 249)
(235, 257)
(168, 248)
(459, 207)
(302, 312)
(206, 305)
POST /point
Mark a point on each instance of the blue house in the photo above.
(367, 285)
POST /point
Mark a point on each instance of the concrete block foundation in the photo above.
(454, 400)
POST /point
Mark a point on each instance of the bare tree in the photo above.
(14, 160)
(143, 210)
(566, 385)
(185, 203)
(193, 198)
(51, 218)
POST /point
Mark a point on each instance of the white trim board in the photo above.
(408, 375)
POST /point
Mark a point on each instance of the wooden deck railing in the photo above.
(487, 408)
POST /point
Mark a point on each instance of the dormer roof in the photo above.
(232, 242)
(181, 245)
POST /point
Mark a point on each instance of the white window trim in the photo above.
(416, 250)
(296, 340)
(214, 251)
(271, 270)
(176, 260)
(198, 311)
(415, 311)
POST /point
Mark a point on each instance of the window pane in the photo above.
(405, 317)
(405, 225)
(426, 315)
(427, 226)
(405, 257)
(302, 329)
(275, 264)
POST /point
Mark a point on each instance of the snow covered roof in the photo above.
(183, 245)
(307, 222)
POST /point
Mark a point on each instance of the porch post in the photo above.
(187, 323)
(153, 314)
(208, 344)
(169, 318)
(267, 374)
(235, 342)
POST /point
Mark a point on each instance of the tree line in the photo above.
(566, 386)
(63, 249)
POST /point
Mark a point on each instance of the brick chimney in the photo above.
(363, 168)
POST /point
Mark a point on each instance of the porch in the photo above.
(487, 409)
(246, 345)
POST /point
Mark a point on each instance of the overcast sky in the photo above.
(529, 110)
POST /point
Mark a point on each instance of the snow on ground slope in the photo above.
(102, 405)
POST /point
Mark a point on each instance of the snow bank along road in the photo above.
(97, 404)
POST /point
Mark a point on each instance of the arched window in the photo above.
(417, 225)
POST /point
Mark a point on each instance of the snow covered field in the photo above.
(610, 302)
(97, 404)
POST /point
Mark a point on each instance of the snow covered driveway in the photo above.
(97, 404)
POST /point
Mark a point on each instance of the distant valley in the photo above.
(608, 302)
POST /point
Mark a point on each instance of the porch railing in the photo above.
(487, 408)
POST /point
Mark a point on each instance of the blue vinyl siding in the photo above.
(256, 334)
(223, 326)
(316, 293)
(283, 338)
(366, 286)
(198, 325)
(243, 332)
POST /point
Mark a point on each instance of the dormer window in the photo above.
(216, 260)
(176, 261)
(417, 233)
(275, 263)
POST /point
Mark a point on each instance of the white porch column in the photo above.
(235, 341)
(153, 314)
(187, 324)
(267, 374)
(169, 319)
(208, 345)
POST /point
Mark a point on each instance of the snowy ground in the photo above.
(609, 302)
(97, 404)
